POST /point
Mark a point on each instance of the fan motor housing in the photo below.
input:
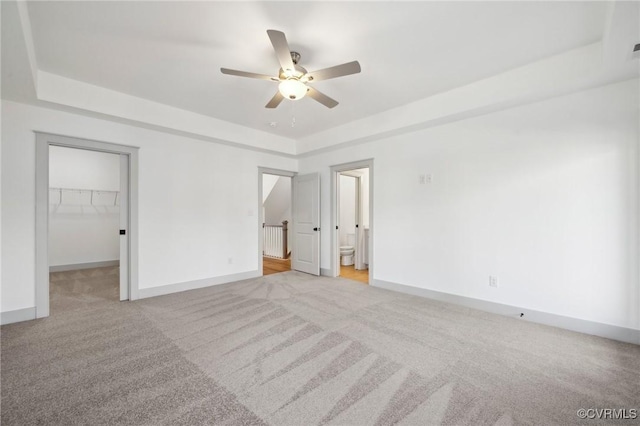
(299, 72)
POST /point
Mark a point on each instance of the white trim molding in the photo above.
(27, 314)
(144, 293)
(87, 265)
(326, 272)
(19, 315)
(622, 334)
(43, 141)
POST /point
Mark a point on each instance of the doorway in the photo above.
(353, 224)
(275, 219)
(304, 227)
(352, 214)
(84, 222)
(126, 161)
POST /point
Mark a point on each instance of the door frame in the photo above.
(43, 142)
(276, 172)
(335, 238)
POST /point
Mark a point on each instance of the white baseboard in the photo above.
(144, 293)
(325, 272)
(27, 314)
(88, 265)
(622, 334)
(24, 314)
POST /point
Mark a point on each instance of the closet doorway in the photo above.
(275, 220)
(352, 238)
(72, 202)
(84, 224)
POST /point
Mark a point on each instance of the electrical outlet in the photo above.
(424, 178)
(493, 281)
(230, 260)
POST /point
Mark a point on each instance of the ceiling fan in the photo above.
(293, 78)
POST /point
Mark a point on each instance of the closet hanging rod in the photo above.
(80, 191)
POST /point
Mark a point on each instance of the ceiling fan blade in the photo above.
(280, 45)
(333, 72)
(321, 97)
(248, 74)
(275, 101)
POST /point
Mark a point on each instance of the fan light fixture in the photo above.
(292, 88)
(293, 80)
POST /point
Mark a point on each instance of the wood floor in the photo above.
(351, 273)
(271, 265)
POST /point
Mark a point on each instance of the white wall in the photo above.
(277, 206)
(83, 233)
(544, 196)
(347, 206)
(83, 169)
(198, 202)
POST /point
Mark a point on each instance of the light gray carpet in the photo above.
(293, 349)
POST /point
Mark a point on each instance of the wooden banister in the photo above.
(285, 250)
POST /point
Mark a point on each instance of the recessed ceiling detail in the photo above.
(427, 63)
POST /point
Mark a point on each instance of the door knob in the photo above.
(316, 229)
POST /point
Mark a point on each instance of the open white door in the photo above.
(124, 227)
(306, 224)
(359, 263)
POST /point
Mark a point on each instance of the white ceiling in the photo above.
(171, 52)
(157, 64)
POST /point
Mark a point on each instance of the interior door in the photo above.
(306, 224)
(124, 227)
(359, 244)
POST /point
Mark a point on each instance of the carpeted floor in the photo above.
(293, 349)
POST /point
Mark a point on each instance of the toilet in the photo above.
(346, 255)
(347, 251)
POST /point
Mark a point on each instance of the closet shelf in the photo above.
(83, 197)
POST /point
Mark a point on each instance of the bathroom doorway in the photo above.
(352, 221)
